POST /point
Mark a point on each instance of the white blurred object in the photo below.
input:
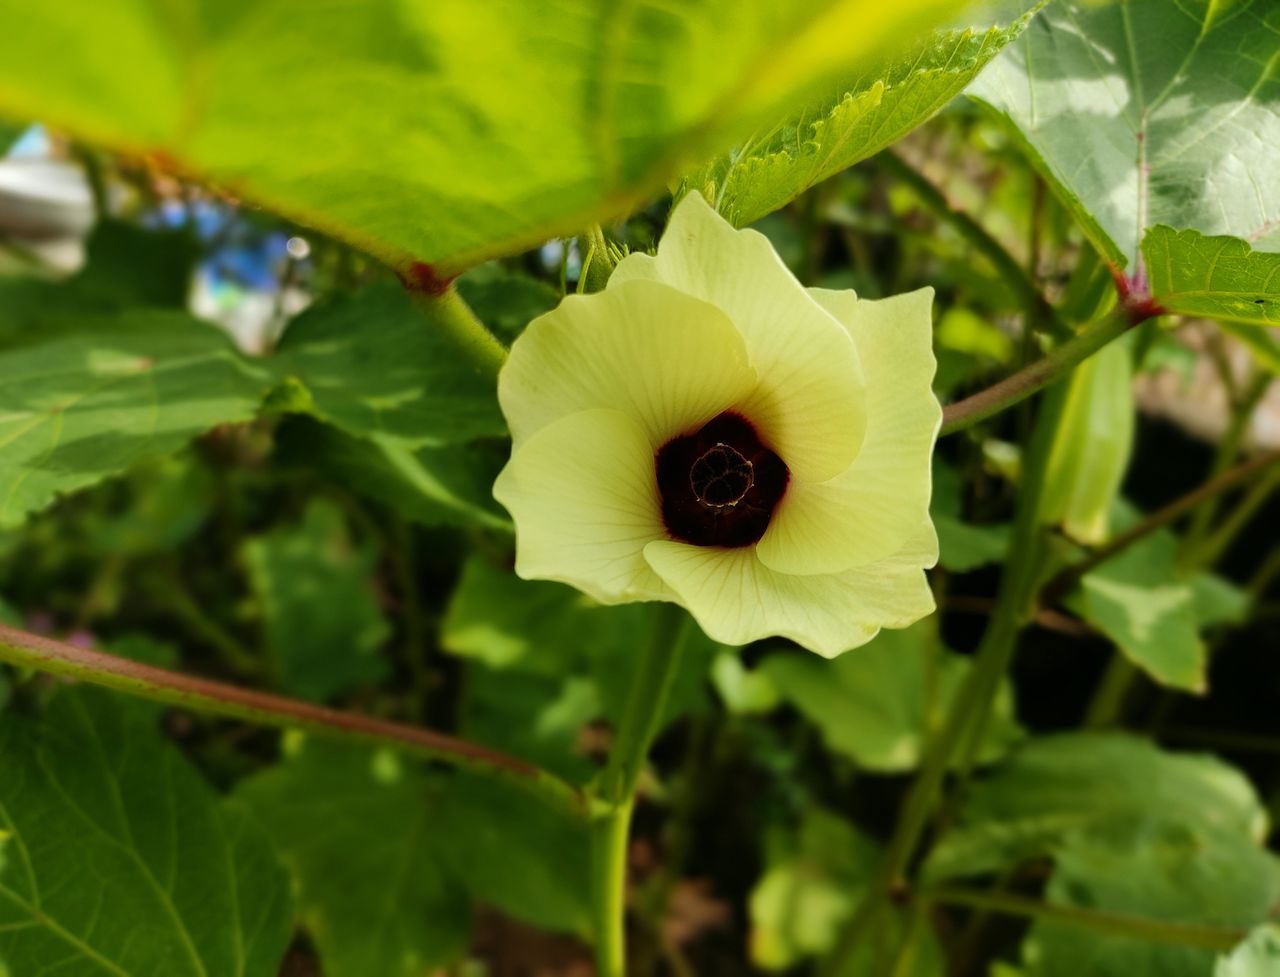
(44, 199)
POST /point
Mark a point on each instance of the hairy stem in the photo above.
(1044, 371)
(616, 788)
(1219, 938)
(217, 698)
(449, 313)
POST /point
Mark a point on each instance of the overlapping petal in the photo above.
(582, 493)
(870, 510)
(810, 402)
(736, 599)
(667, 359)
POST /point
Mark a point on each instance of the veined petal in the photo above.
(585, 502)
(809, 405)
(667, 359)
(736, 599)
(868, 511)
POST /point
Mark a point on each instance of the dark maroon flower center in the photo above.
(720, 485)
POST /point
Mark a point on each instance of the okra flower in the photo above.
(707, 431)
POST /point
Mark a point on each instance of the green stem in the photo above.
(969, 711)
(452, 316)
(1060, 585)
(1021, 385)
(1208, 552)
(1012, 273)
(616, 787)
(597, 263)
(1107, 705)
(1219, 938)
(1228, 448)
(220, 699)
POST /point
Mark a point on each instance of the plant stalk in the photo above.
(220, 699)
(614, 792)
(1044, 371)
(967, 717)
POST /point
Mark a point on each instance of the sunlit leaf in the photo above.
(1148, 112)
(775, 166)
(440, 133)
(86, 404)
(1214, 277)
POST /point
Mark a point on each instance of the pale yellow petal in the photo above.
(809, 405)
(669, 360)
(584, 500)
(736, 599)
(867, 512)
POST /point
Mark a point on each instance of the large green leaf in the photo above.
(372, 364)
(776, 165)
(1214, 277)
(1154, 869)
(324, 626)
(524, 859)
(434, 132)
(1150, 112)
(119, 860)
(362, 834)
(879, 704)
(449, 485)
(1060, 788)
(83, 405)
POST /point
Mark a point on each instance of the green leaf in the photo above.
(1148, 112)
(776, 165)
(323, 623)
(1257, 956)
(1136, 600)
(1091, 445)
(551, 629)
(1214, 277)
(110, 836)
(880, 703)
(814, 879)
(450, 485)
(1058, 788)
(504, 300)
(126, 266)
(374, 366)
(433, 132)
(1217, 600)
(744, 691)
(83, 405)
(525, 859)
(1153, 869)
(363, 837)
